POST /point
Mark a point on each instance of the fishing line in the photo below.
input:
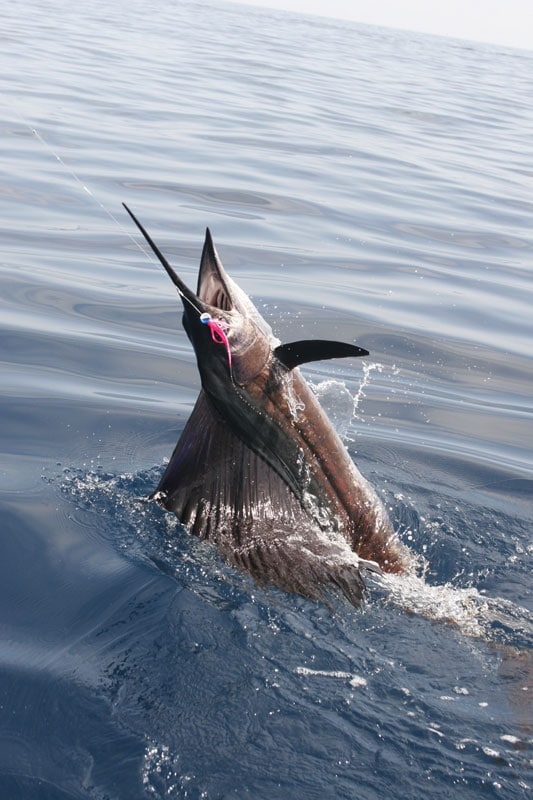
(189, 301)
(68, 169)
(216, 328)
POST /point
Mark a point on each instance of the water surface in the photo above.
(362, 184)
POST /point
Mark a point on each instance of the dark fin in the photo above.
(224, 492)
(212, 288)
(293, 354)
(213, 479)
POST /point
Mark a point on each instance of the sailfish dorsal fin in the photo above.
(222, 491)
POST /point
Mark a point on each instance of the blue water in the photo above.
(360, 184)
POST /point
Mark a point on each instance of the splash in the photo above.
(368, 369)
(294, 401)
(145, 532)
(475, 614)
(344, 406)
(163, 777)
(337, 401)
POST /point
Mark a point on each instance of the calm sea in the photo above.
(361, 184)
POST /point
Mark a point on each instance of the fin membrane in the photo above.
(222, 491)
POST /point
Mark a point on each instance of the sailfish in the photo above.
(259, 469)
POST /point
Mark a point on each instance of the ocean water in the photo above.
(361, 184)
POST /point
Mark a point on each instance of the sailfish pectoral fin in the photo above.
(293, 354)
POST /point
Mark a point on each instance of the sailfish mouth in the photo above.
(213, 283)
(213, 292)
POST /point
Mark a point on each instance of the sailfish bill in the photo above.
(259, 469)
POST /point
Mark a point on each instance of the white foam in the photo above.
(354, 680)
(473, 613)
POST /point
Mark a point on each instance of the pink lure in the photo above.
(218, 334)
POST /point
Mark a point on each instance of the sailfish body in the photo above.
(259, 469)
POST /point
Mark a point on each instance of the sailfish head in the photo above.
(232, 342)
